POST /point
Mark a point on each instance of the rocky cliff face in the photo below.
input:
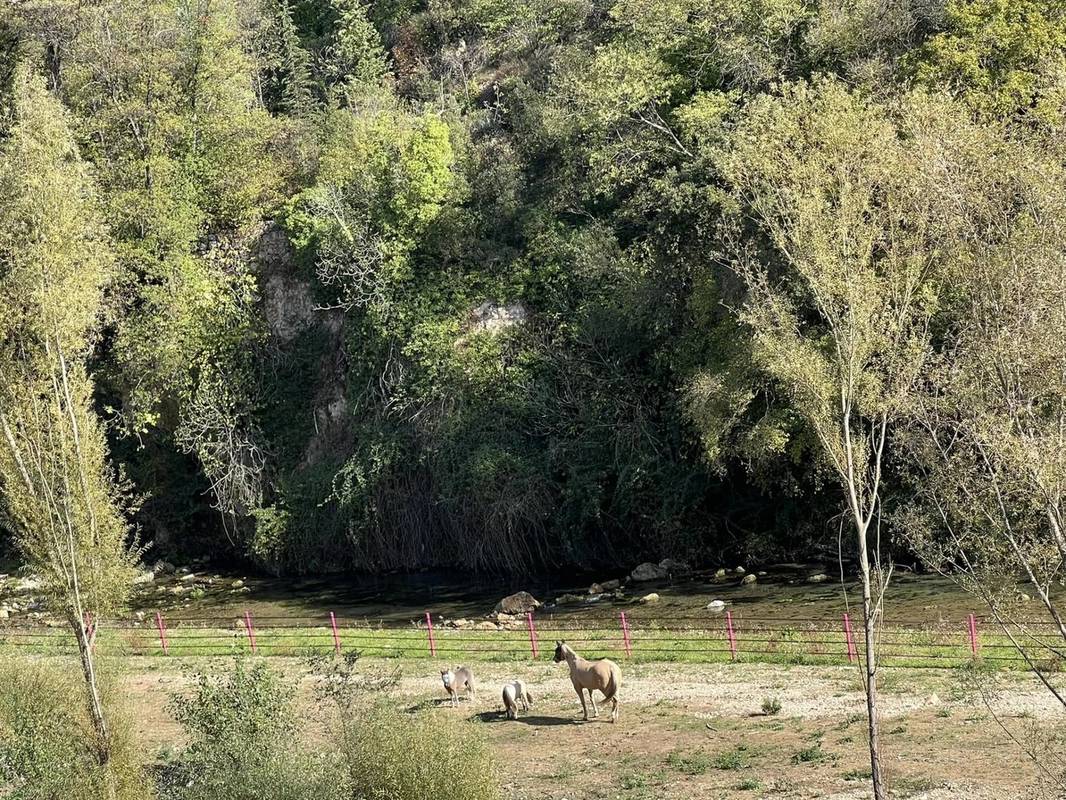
(289, 310)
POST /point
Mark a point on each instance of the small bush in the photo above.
(771, 706)
(809, 755)
(633, 780)
(244, 744)
(48, 748)
(695, 763)
(737, 758)
(400, 756)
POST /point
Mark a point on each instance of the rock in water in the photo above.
(819, 577)
(648, 572)
(650, 598)
(748, 579)
(517, 603)
(675, 567)
(717, 606)
(719, 573)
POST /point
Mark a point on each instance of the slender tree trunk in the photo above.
(869, 615)
(96, 708)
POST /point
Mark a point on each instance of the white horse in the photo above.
(458, 680)
(513, 694)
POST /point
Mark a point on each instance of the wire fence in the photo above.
(637, 637)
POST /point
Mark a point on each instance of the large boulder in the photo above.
(675, 567)
(517, 603)
(648, 572)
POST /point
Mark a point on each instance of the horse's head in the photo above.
(448, 677)
(560, 652)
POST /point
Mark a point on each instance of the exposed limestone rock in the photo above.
(493, 317)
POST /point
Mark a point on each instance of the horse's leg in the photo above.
(581, 697)
(614, 708)
(595, 711)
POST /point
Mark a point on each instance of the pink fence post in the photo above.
(249, 629)
(852, 655)
(625, 636)
(973, 635)
(532, 634)
(336, 636)
(432, 641)
(732, 635)
(162, 633)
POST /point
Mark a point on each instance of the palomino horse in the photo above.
(601, 675)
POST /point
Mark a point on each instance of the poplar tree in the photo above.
(59, 495)
(838, 274)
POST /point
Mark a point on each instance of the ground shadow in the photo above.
(525, 719)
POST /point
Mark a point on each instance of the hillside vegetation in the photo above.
(502, 284)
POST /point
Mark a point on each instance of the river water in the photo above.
(784, 593)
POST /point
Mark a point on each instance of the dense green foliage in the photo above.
(430, 282)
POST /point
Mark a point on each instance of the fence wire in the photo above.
(627, 636)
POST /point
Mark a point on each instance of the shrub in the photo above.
(394, 755)
(244, 744)
(771, 706)
(737, 758)
(695, 763)
(48, 749)
(809, 755)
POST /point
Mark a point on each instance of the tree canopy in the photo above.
(500, 285)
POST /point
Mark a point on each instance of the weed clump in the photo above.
(48, 747)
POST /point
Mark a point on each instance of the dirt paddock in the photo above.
(691, 731)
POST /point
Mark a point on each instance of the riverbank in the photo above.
(782, 594)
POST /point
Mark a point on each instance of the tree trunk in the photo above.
(869, 616)
(96, 709)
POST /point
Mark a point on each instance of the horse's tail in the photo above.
(614, 683)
